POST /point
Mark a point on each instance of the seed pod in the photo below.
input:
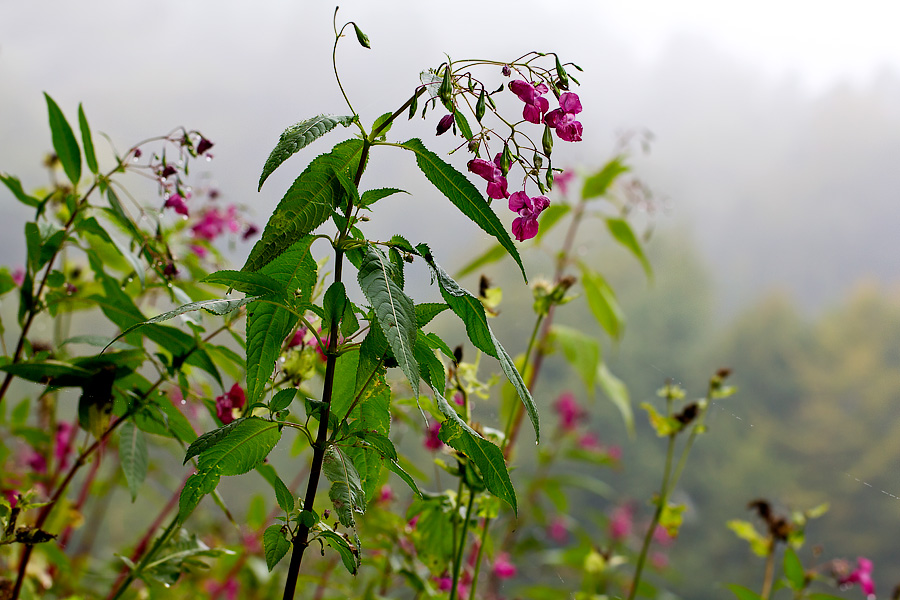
(446, 90)
(505, 160)
(361, 37)
(547, 141)
(412, 107)
(563, 81)
(537, 160)
(480, 106)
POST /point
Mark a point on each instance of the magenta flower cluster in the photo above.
(230, 404)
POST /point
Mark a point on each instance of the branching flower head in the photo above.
(563, 120)
(532, 94)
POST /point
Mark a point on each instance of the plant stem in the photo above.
(159, 543)
(770, 572)
(462, 545)
(487, 522)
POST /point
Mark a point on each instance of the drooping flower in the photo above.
(459, 399)
(444, 124)
(203, 146)
(490, 172)
(533, 96)
(229, 404)
(525, 226)
(299, 337)
(176, 202)
(562, 119)
(863, 576)
(432, 440)
(569, 411)
(503, 568)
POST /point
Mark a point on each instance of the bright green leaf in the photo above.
(297, 137)
(598, 184)
(64, 142)
(349, 556)
(251, 283)
(370, 197)
(275, 545)
(581, 350)
(486, 456)
(602, 301)
(743, 593)
(622, 232)
(283, 495)
(243, 448)
(86, 140)
(793, 570)
(198, 485)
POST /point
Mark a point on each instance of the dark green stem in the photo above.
(457, 562)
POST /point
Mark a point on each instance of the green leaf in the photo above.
(133, 456)
(598, 184)
(622, 232)
(493, 254)
(15, 186)
(425, 312)
(242, 448)
(602, 301)
(745, 530)
(370, 197)
(275, 545)
(64, 143)
(297, 137)
(268, 325)
(743, 593)
(306, 205)
(617, 392)
(463, 124)
(198, 485)
(253, 284)
(371, 419)
(470, 310)
(464, 195)
(89, 155)
(209, 439)
(346, 491)
(282, 399)
(283, 495)
(361, 37)
(334, 304)
(385, 120)
(486, 456)
(663, 426)
(50, 372)
(394, 310)
(581, 350)
(550, 217)
(33, 246)
(793, 570)
(350, 558)
(378, 441)
(395, 468)
(430, 367)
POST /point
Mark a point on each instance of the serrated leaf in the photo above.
(598, 184)
(395, 468)
(283, 495)
(378, 441)
(50, 372)
(346, 491)
(64, 143)
(581, 350)
(282, 399)
(86, 140)
(743, 593)
(15, 186)
(426, 311)
(297, 137)
(430, 368)
(793, 570)
(370, 197)
(602, 301)
(550, 217)
(275, 545)
(267, 324)
(209, 439)
(486, 456)
(133, 456)
(306, 205)
(394, 310)
(463, 124)
(464, 195)
(333, 304)
(471, 311)
(371, 418)
(198, 485)
(242, 448)
(251, 283)
(491, 255)
(617, 392)
(350, 559)
(622, 232)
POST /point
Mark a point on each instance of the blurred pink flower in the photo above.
(459, 399)
(386, 494)
(227, 589)
(176, 202)
(18, 276)
(230, 403)
(557, 530)
(199, 250)
(214, 222)
(503, 568)
(65, 435)
(589, 441)
(659, 560)
(561, 180)
(863, 576)
(569, 411)
(432, 441)
(662, 536)
(620, 522)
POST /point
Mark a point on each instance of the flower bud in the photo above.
(444, 124)
(563, 81)
(506, 71)
(547, 140)
(361, 37)
(505, 160)
(412, 107)
(480, 106)
(445, 92)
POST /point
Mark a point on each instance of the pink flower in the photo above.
(176, 202)
(249, 232)
(490, 172)
(563, 118)
(204, 145)
(525, 226)
(228, 589)
(298, 338)
(18, 276)
(569, 411)
(458, 399)
(621, 522)
(36, 462)
(432, 440)
(230, 403)
(444, 583)
(558, 531)
(659, 560)
(614, 452)
(65, 435)
(863, 576)
(213, 223)
(199, 250)
(532, 95)
(503, 568)
(662, 536)
(444, 124)
(590, 442)
(386, 494)
(561, 180)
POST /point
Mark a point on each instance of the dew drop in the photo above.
(184, 217)
(183, 401)
(209, 158)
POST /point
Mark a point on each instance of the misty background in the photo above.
(776, 136)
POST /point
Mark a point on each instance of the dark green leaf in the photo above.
(743, 593)
(493, 254)
(275, 545)
(362, 38)
(463, 194)
(395, 468)
(282, 399)
(598, 184)
(379, 441)
(50, 372)
(334, 304)
(33, 246)
(133, 456)
(64, 142)
(209, 439)
(241, 448)
(198, 357)
(486, 456)
(198, 485)
(371, 418)
(297, 137)
(283, 495)
(370, 197)
(622, 232)
(15, 186)
(427, 311)
(86, 140)
(395, 312)
(431, 369)
(253, 284)
(346, 491)
(350, 558)
(463, 124)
